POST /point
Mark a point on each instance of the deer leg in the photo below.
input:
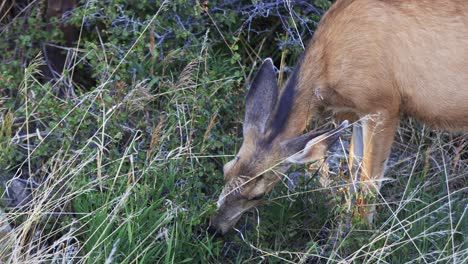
(378, 132)
(356, 147)
(356, 150)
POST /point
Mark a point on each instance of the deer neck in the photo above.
(298, 103)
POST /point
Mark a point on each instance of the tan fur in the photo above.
(389, 58)
(369, 59)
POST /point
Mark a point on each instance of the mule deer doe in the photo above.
(368, 57)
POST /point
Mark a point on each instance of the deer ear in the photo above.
(261, 98)
(311, 146)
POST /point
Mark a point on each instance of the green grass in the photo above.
(122, 206)
(129, 171)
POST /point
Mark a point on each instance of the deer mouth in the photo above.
(223, 223)
(226, 217)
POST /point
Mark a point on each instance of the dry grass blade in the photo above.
(186, 76)
(156, 137)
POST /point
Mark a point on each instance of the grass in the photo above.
(129, 172)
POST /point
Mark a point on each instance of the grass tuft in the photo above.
(122, 151)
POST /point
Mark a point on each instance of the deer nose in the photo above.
(215, 232)
(214, 229)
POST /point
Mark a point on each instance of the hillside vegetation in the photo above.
(117, 116)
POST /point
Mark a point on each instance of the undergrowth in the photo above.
(123, 151)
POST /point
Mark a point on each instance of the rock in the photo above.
(18, 193)
(5, 231)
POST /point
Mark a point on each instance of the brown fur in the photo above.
(388, 58)
(369, 59)
(393, 56)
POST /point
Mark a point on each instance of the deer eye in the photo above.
(258, 197)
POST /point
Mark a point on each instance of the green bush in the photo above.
(127, 145)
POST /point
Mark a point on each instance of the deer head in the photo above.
(264, 155)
